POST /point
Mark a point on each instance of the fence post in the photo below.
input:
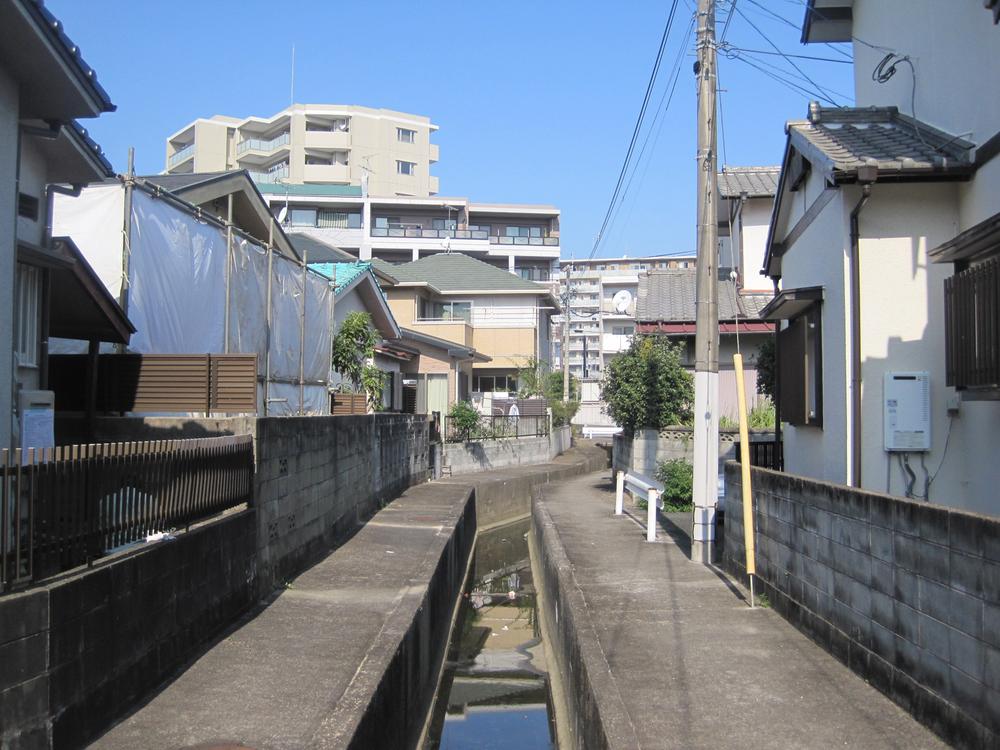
(619, 492)
(651, 515)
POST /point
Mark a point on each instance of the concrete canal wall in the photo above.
(486, 455)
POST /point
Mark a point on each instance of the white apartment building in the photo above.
(602, 304)
(522, 239)
(318, 144)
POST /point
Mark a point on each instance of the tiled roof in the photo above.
(453, 272)
(669, 296)
(342, 274)
(844, 139)
(754, 182)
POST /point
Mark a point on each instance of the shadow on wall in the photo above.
(70, 430)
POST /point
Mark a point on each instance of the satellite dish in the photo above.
(282, 214)
(621, 300)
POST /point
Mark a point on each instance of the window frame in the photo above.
(800, 368)
(411, 167)
(27, 323)
(406, 135)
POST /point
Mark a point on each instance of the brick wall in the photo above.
(906, 594)
(319, 478)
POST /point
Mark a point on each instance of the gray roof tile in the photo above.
(844, 139)
(755, 182)
(669, 296)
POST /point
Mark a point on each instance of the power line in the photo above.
(727, 47)
(774, 46)
(796, 26)
(790, 75)
(729, 18)
(791, 85)
(638, 125)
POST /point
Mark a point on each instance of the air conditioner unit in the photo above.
(906, 410)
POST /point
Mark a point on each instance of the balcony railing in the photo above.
(181, 155)
(429, 234)
(271, 175)
(972, 332)
(545, 241)
(258, 144)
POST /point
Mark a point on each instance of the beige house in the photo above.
(318, 144)
(477, 307)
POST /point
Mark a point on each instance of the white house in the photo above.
(869, 198)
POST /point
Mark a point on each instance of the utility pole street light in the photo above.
(706, 375)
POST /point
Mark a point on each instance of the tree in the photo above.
(531, 379)
(554, 386)
(647, 387)
(353, 348)
(464, 419)
(766, 369)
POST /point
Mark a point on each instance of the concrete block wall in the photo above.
(319, 478)
(906, 594)
(24, 679)
(484, 455)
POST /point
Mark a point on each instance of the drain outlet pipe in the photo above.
(866, 176)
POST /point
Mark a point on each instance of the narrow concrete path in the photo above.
(681, 661)
(301, 671)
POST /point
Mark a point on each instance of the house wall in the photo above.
(754, 222)
(9, 108)
(819, 258)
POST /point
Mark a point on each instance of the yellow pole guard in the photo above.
(748, 535)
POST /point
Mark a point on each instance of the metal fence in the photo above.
(67, 506)
(497, 426)
(765, 454)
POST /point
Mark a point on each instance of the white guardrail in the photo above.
(639, 486)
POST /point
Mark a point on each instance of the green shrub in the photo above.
(563, 412)
(761, 417)
(647, 387)
(464, 418)
(677, 476)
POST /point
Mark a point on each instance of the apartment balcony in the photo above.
(543, 241)
(613, 343)
(270, 176)
(585, 288)
(326, 173)
(327, 139)
(181, 155)
(421, 233)
(247, 148)
(449, 329)
(608, 308)
(433, 153)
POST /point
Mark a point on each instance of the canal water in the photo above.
(494, 691)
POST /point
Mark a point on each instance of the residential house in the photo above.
(881, 235)
(314, 144)
(746, 199)
(47, 286)
(489, 312)
(202, 267)
(438, 374)
(667, 307)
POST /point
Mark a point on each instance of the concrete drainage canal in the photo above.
(494, 690)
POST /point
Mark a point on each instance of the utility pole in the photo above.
(706, 367)
(566, 297)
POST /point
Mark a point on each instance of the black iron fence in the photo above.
(764, 454)
(492, 427)
(67, 506)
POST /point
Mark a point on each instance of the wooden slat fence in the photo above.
(342, 404)
(972, 327)
(765, 454)
(67, 506)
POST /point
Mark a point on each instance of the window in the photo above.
(27, 314)
(384, 222)
(495, 384)
(404, 135)
(800, 369)
(335, 125)
(523, 231)
(451, 224)
(406, 167)
(972, 362)
(622, 330)
(27, 206)
(338, 219)
(302, 217)
(438, 310)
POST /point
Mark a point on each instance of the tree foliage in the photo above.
(647, 387)
(464, 418)
(353, 348)
(766, 369)
(677, 476)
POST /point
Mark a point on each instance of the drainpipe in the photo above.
(866, 176)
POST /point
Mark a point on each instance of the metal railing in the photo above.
(493, 427)
(546, 241)
(181, 155)
(429, 234)
(67, 506)
(767, 454)
(259, 144)
(271, 175)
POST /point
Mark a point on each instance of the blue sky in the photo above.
(536, 101)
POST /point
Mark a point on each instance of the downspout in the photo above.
(855, 269)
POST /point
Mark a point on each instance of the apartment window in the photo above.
(384, 222)
(523, 231)
(622, 330)
(451, 224)
(302, 217)
(800, 369)
(451, 310)
(404, 135)
(27, 314)
(27, 206)
(338, 220)
(406, 167)
(495, 384)
(335, 125)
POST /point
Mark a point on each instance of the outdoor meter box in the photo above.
(906, 409)
(36, 411)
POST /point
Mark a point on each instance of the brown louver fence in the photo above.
(972, 327)
(67, 506)
(158, 382)
(342, 404)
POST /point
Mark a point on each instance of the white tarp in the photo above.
(177, 294)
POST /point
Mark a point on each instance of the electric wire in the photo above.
(729, 18)
(797, 57)
(791, 62)
(798, 26)
(638, 124)
(785, 82)
(789, 75)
